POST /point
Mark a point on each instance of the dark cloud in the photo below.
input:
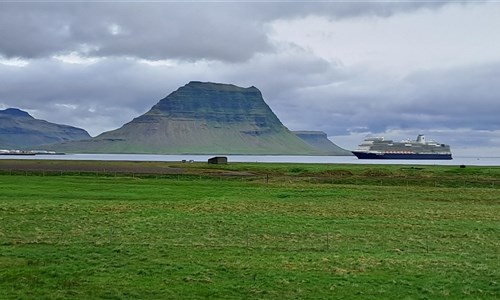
(462, 97)
(147, 30)
(450, 99)
(228, 31)
(306, 93)
(97, 97)
(106, 94)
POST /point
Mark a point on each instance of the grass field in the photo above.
(251, 231)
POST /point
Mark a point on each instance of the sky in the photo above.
(352, 69)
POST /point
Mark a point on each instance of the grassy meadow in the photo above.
(252, 231)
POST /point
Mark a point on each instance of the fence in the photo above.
(430, 242)
(278, 179)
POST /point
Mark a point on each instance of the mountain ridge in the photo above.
(319, 140)
(20, 130)
(201, 118)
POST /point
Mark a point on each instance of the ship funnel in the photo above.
(421, 139)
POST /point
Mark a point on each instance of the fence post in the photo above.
(247, 238)
(327, 241)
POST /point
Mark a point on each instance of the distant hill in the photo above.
(319, 140)
(19, 130)
(201, 118)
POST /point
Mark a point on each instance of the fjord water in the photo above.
(471, 161)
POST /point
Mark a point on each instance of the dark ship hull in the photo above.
(371, 155)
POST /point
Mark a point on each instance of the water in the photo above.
(468, 161)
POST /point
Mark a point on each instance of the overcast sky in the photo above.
(350, 69)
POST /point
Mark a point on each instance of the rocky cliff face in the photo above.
(19, 130)
(202, 118)
(319, 140)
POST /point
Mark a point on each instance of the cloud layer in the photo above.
(349, 69)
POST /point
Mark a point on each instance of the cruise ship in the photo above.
(379, 148)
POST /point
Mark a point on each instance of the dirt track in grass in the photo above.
(121, 167)
(89, 166)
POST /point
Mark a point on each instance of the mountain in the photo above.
(201, 118)
(19, 130)
(319, 140)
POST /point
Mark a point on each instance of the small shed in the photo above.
(218, 160)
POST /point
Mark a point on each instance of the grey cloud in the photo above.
(305, 92)
(96, 97)
(146, 30)
(364, 101)
(111, 92)
(268, 11)
(191, 31)
(465, 97)
(33, 30)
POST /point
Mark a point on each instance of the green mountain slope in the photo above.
(201, 118)
(19, 130)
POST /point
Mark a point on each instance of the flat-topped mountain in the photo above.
(319, 140)
(19, 130)
(201, 118)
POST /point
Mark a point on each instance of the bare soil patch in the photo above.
(90, 166)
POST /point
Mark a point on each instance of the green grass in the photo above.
(189, 237)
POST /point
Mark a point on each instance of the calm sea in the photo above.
(471, 161)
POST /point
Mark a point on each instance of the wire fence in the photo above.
(423, 240)
(441, 243)
(431, 242)
(459, 182)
